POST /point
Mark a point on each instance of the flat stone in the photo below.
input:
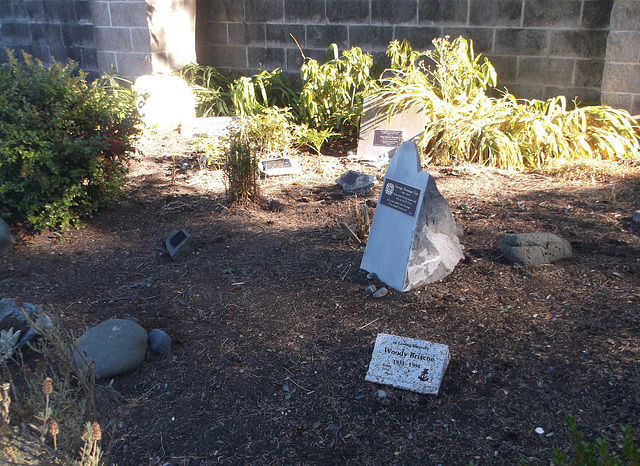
(164, 101)
(179, 244)
(6, 240)
(636, 216)
(354, 182)
(380, 136)
(407, 363)
(535, 248)
(114, 347)
(412, 241)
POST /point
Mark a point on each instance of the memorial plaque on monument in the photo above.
(281, 166)
(412, 240)
(208, 127)
(380, 136)
(409, 364)
(400, 197)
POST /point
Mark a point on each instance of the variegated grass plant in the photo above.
(467, 125)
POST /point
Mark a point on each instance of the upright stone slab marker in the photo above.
(406, 363)
(380, 136)
(413, 239)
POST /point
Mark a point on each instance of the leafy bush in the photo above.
(269, 132)
(332, 93)
(598, 453)
(221, 95)
(467, 125)
(64, 142)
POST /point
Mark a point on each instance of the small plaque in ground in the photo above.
(409, 364)
(178, 238)
(279, 166)
(350, 177)
(387, 137)
(399, 196)
(276, 163)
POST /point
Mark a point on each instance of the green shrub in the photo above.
(64, 142)
(592, 454)
(221, 95)
(332, 93)
(466, 125)
(269, 132)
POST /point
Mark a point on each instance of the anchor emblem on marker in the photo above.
(424, 376)
(389, 189)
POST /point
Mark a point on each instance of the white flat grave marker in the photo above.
(409, 364)
(280, 166)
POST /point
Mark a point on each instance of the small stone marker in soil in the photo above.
(354, 182)
(208, 127)
(381, 136)
(180, 244)
(636, 216)
(414, 365)
(281, 166)
(413, 239)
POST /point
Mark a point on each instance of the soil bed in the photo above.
(272, 333)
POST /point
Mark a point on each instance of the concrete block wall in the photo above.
(621, 81)
(122, 38)
(128, 37)
(540, 48)
(48, 28)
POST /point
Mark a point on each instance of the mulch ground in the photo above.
(272, 333)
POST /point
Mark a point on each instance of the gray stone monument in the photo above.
(406, 363)
(380, 135)
(413, 239)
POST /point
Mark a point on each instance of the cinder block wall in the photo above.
(122, 37)
(46, 28)
(138, 37)
(127, 37)
(540, 48)
(621, 81)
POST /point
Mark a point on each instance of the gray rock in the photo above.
(12, 316)
(436, 249)
(354, 182)
(180, 244)
(115, 346)
(159, 342)
(370, 289)
(380, 293)
(6, 240)
(535, 248)
(636, 216)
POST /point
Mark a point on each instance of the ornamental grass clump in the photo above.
(467, 125)
(64, 142)
(241, 172)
